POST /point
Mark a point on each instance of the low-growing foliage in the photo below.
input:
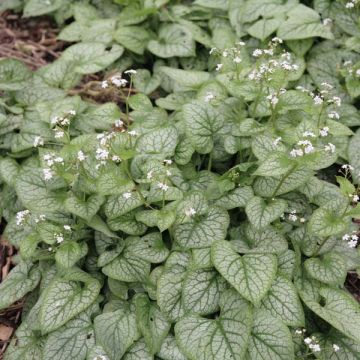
(211, 216)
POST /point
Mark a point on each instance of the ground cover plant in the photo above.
(207, 212)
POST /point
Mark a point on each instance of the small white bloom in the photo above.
(302, 220)
(54, 120)
(335, 347)
(241, 43)
(225, 54)
(131, 72)
(334, 115)
(324, 131)
(38, 141)
(308, 133)
(330, 148)
(21, 216)
(168, 162)
(277, 40)
(168, 173)
(212, 50)
(132, 133)
(59, 134)
(59, 160)
(190, 212)
(163, 186)
(118, 81)
(127, 195)
(102, 154)
(219, 67)
(67, 227)
(81, 156)
(327, 85)
(352, 244)
(104, 84)
(209, 96)
(347, 167)
(299, 331)
(327, 21)
(336, 100)
(292, 216)
(307, 341)
(273, 99)
(349, 5)
(237, 60)
(72, 112)
(315, 347)
(346, 237)
(119, 123)
(277, 141)
(296, 152)
(48, 174)
(40, 218)
(318, 100)
(64, 121)
(50, 248)
(59, 238)
(149, 175)
(257, 53)
(115, 158)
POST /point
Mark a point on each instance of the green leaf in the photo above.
(302, 27)
(202, 230)
(66, 297)
(118, 205)
(133, 38)
(202, 123)
(87, 58)
(251, 275)
(283, 303)
(189, 79)
(9, 169)
(127, 267)
(36, 8)
(326, 222)
(13, 73)
(69, 253)
(260, 213)
(149, 247)
(84, 209)
(330, 269)
(264, 27)
(159, 141)
(275, 164)
(33, 192)
(153, 325)
(354, 155)
(223, 338)
(270, 339)
(201, 291)
(335, 306)
(346, 187)
(144, 82)
(138, 351)
(116, 332)
(71, 341)
(21, 280)
(169, 350)
(173, 40)
(236, 198)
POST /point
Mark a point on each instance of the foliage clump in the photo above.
(210, 216)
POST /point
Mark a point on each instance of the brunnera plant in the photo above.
(213, 221)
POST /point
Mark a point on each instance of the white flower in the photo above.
(302, 220)
(219, 67)
(209, 96)
(104, 84)
(327, 85)
(190, 212)
(119, 123)
(308, 133)
(346, 237)
(132, 133)
(72, 112)
(64, 121)
(292, 216)
(335, 347)
(81, 156)
(59, 160)
(257, 52)
(54, 120)
(59, 134)
(315, 347)
(336, 100)
(40, 218)
(352, 244)
(237, 60)
(324, 131)
(168, 161)
(48, 174)
(131, 72)
(269, 51)
(67, 227)
(50, 248)
(318, 100)
(307, 341)
(273, 99)
(299, 331)
(334, 115)
(225, 54)
(277, 40)
(354, 237)
(241, 43)
(327, 21)
(163, 186)
(21, 216)
(308, 147)
(127, 195)
(212, 50)
(276, 141)
(349, 5)
(357, 73)
(100, 357)
(330, 148)
(115, 158)
(38, 141)
(59, 238)
(102, 154)
(149, 175)
(296, 152)
(168, 173)
(347, 167)
(118, 81)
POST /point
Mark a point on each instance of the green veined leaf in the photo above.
(223, 338)
(116, 332)
(251, 275)
(118, 205)
(134, 38)
(84, 209)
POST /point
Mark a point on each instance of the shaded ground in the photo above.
(34, 42)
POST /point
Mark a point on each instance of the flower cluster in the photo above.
(102, 152)
(233, 53)
(52, 161)
(312, 343)
(21, 217)
(352, 239)
(351, 4)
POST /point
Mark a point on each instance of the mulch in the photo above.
(34, 42)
